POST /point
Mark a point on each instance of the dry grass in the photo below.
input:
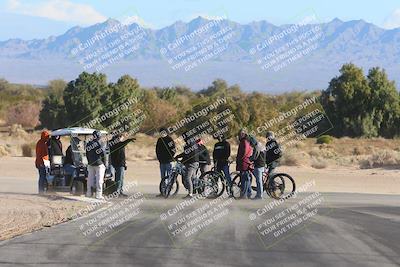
(381, 158)
(28, 150)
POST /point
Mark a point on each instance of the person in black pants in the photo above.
(165, 151)
(118, 160)
(221, 154)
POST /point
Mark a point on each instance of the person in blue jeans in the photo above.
(118, 160)
(165, 151)
(221, 154)
(42, 160)
(258, 159)
(243, 164)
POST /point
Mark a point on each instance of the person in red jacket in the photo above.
(42, 159)
(244, 164)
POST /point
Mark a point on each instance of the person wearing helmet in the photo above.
(42, 159)
(95, 152)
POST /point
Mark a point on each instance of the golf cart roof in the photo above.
(74, 131)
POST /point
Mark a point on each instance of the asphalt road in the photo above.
(331, 229)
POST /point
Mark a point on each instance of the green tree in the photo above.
(385, 102)
(84, 98)
(346, 102)
(52, 114)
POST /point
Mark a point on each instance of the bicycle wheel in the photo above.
(209, 187)
(169, 185)
(218, 178)
(236, 185)
(281, 186)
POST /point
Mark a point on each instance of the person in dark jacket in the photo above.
(118, 161)
(55, 146)
(244, 164)
(190, 158)
(221, 154)
(95, 152)
(273, 153)
(165, 151)
(258, 159)
(69, 165)
(204, 156)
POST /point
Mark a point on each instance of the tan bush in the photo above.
(28, 150)
(381, 158)
(24, 113)
(294, 158)
(4, 151)
(318, 163)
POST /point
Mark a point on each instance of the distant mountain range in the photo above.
(257, 56)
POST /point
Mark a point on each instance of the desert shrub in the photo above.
(324, 139)
(27, 150)
(319, 163)
(381, 158)
(293, 158)
(24, 113)
(4, 151)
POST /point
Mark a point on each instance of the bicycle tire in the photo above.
(236, 186)
(209, 187)
(167, 188)
(218, 178)
(285, 183)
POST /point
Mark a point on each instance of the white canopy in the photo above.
(74, 131)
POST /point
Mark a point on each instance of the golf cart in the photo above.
(72, 177)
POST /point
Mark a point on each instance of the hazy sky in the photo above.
(28, 19)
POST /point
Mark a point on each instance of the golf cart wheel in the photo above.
(109, 187)
(77, 188)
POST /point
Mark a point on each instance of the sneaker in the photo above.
(100, 197)
(122, 195)
(189, 196)
(88, 194)
(257, 198)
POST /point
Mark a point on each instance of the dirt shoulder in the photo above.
(24, 213)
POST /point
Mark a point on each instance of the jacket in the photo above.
(190, 154)
(165, 149)
(95, 153)
(221, 153)
(118, 158)
(68, 156)
(258, 156)
(273, 151)
(204, 155)
(245, 151)
(55, 147)
(42, 150)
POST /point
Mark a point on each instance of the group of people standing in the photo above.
(252, 157)
(48, 147)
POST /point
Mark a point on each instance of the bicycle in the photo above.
(170, 183)
(219, 176)
(207, 187)
(277, 186)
